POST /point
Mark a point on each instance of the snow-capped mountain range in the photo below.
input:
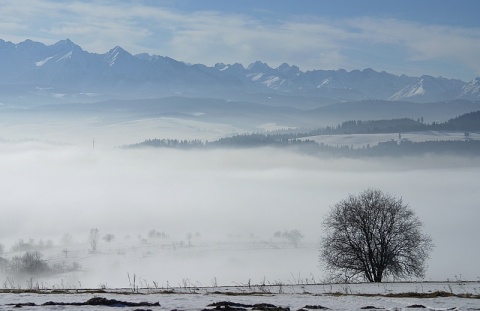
(64, 70)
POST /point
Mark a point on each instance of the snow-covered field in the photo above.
(295, 297)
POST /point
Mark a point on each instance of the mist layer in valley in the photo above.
(214, 213)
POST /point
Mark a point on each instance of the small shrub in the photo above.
(30, 263)
(109, 237)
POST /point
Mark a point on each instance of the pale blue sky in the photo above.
(413, 37)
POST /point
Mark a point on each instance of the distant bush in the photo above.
(293, 236)
(153, 234)
(32, 263)
(3, 265)
(108, 237)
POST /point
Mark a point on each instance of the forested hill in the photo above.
(466, 122)
(469, 122)
(467, 147)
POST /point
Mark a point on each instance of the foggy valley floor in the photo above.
(219, 210)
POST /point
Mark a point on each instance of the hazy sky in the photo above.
(436, 37)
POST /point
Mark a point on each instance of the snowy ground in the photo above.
(334, 297)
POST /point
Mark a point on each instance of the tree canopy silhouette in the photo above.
(374, 235)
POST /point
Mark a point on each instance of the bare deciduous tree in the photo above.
(374, 235)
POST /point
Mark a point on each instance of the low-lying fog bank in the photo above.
(227, 204)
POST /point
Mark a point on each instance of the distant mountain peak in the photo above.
(221, 66)
(117, 50)
(259, 66)
(287, 69)
(114, 54)
(65, 42)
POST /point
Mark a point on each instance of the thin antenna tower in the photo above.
(93, 141)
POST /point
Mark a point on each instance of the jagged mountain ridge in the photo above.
(64, 68)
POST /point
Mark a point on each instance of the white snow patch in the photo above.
(472, 87)
(111, 56)
(256, 76)
(113, 59)
(324, 82)
(66, 56)
(418, 91)
(409, 91)
(271, 80)
(42, 62)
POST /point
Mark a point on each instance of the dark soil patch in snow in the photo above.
(233, 306)
(96, 301)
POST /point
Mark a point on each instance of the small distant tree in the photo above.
(293, 236)
(4, 265)
(189, 237)
(93, 239)
(109, 237)
(33, 263)
(374, 235)
(29, 263)
(152, 234)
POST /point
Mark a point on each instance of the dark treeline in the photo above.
(389, 148)
(241, 141)
(169, 143)
(466, 122)
(372, 127)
